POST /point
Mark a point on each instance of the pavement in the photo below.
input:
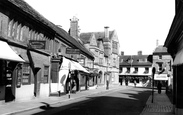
(160, 106)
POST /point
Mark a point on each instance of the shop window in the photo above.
(46, 74)
(26, 74)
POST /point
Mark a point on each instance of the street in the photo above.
(123, 101)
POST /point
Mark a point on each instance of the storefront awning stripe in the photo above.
(6, 53)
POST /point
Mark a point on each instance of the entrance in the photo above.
(7, 84)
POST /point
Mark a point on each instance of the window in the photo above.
(121, 70)
(136, 70)
(114, 45)
(46, 74)
(100, 60)
(26, 74)
(128, 70)
(160, 56)
(121, 60)
(160, 65)
(146, 70)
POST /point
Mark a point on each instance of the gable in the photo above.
(114, 36)
(101, 47)
(93, 41)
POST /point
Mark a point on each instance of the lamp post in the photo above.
(69, 80)
(153, 72)
(107, 76)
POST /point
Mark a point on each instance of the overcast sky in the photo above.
(138, 23)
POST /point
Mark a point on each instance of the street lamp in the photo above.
(153, 72)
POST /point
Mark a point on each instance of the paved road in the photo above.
(128, 101)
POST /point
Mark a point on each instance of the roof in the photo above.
(135, 60)
(85, 37)
(36, 16)
(77, 44)
(160, 50)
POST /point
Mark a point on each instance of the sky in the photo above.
(138, 23)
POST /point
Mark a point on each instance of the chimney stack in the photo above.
(106, 32)
(122, 53)
(139, 52)
(74, 28)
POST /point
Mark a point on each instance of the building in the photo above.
(174, 43)
(162, 61)
(135, 68)
(105, 48)
(29, 45)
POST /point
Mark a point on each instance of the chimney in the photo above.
(122, 53)
(139, 52)
(157, 43)
(106, 32)
(74, 30)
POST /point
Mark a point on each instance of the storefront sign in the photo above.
(72, 51)
(160, 77)
(37, 44)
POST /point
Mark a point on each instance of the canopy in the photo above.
(72, 65)
(6, 53)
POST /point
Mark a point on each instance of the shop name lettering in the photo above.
(37, 44)
(161, 76)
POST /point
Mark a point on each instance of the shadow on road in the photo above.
(126, 103)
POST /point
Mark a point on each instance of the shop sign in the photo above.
(72, 51)
(37, 44)
(160, 77)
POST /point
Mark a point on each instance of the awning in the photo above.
(178, 58)
(73, 65)
(6, 53)
(79, 67)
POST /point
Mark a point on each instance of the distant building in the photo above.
(105, 48)
(162, 61)
(135, 67)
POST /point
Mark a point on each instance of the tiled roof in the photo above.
(21, 4)
(135, 61)
(160, 49)
(29, 10)
(85, 37)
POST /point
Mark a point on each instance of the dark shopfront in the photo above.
(9, 64)
(132, 78)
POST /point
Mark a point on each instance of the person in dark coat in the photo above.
(159, 86)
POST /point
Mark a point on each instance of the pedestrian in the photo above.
(159, 86)
(126, 81)
(135, 82)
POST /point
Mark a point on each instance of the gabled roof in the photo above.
(22, 5)
(85, 37)
(135, 60)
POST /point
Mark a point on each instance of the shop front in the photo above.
(9, 63)
(66, 72)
